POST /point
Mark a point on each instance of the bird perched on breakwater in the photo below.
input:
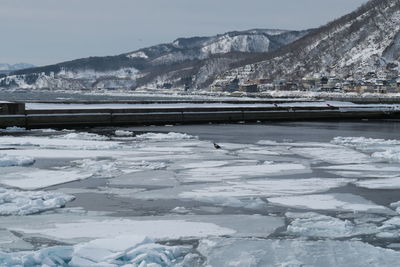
(216, 146)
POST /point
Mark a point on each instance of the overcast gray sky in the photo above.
(49, 31)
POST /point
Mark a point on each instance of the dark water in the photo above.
(29, 95)
(286, 131)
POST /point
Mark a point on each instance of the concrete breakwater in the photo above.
(82, 115)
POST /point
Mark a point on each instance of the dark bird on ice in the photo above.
(216, 146)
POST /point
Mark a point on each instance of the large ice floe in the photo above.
(262, 188)
(382, 183)
(109, 228)
(117, 242)
(7, 160)
(388, 150)
(68, 141)
(335, 155)
(119, 251)
(334, 202)
(312, 224)
(223, 252)
(31, 178)
(240, 172)
(14, 202)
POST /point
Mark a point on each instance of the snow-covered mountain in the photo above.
(185, 62)
(6, 68)
(362, 42)
(252, 41)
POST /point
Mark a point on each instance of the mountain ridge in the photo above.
(7, 68)
(169, 63)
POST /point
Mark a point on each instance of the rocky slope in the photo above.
(364, 41)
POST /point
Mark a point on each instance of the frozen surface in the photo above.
(7, 160)
(240, 172)
(364, 167)
(31, 178)
(247, 253)
(338, 202)
(153, 196)
(390, 229)
(317, 225)
(383, 183)
(59, 142)
(14, 202)
(158, 229)
(83, 136)
(334, 155)
(118, 251)
(388, 150)
(266, 188)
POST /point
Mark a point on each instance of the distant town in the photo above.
(371, 82)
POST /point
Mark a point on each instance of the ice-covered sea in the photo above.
(277, 194)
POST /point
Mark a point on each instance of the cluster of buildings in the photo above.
(368, 83)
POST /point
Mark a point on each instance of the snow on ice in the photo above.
(30, 178)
